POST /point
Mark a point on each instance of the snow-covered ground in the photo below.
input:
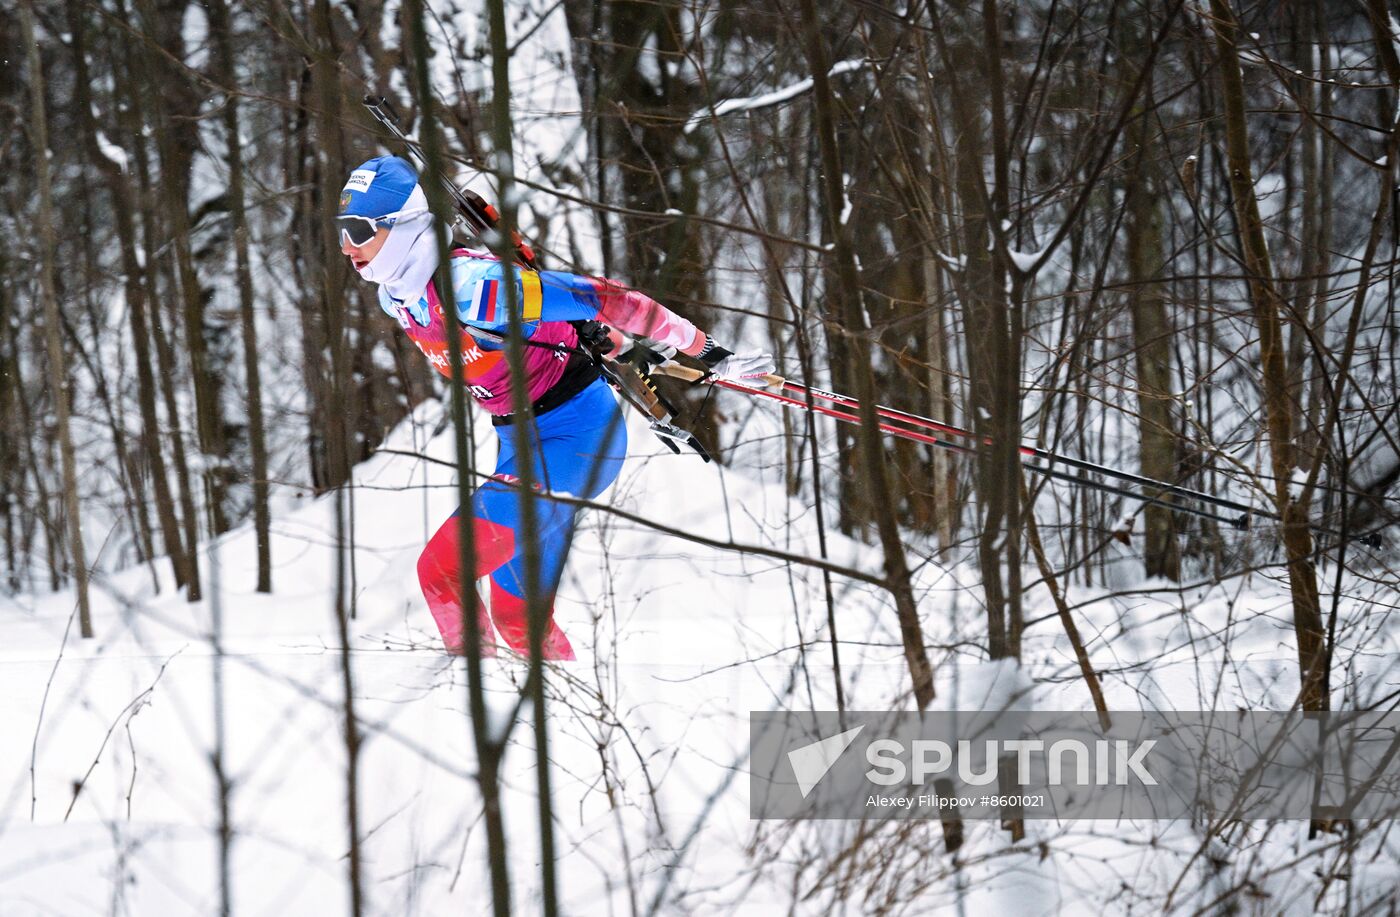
(677, 643)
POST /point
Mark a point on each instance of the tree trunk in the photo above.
(123, 206)
(537, 603)
(993, 383)
(1152, 345)
(12, 434)
(330, 158)
(220, 28)
(946, 507)
(1267, 305)
(176, 141)
(848, 289)
(165, 360)
(58, 377)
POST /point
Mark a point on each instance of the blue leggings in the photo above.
(576, 449)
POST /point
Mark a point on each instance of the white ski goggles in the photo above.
(358, 230)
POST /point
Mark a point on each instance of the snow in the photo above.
(1025, 261)
(1270, 189)
(648, 61)
(769, 99)
(112, 152)
(676, 643)
(194, 34)
(282, 701)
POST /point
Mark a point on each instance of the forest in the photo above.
(1126, 270)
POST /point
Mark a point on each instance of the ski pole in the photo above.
(1240, 522)
(1371, 539)
(1029, 451)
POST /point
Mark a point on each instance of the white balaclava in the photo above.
(410, 254)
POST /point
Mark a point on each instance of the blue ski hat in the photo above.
(378, 188)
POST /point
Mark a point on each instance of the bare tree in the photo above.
(58, 378)
(123, 208)
(853, 323)
(221, 27)
(489, 745)
(1278, 408)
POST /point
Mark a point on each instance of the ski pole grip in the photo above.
(687, 374)
(677, 371)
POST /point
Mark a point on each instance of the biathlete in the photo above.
(578, 439)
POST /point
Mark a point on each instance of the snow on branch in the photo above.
(1025, 261)
(768, 99)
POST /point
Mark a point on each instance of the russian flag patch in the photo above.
(488, 302)
(484, 302)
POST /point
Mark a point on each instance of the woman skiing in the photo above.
(578, 440)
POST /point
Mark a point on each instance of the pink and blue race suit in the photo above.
(577, 436)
